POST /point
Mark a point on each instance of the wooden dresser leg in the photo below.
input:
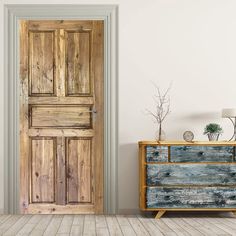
(234, 212)
(160, 214)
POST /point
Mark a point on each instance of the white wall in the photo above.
(191, 43)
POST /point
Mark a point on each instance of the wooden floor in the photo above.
(170, 224)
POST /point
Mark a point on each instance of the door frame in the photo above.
(12, 15)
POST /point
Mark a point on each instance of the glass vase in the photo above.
(160, 136)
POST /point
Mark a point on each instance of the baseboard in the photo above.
(129, 212)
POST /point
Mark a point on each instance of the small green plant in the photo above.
(213, 128)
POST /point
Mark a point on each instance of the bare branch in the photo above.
(162, 108)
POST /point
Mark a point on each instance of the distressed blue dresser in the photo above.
(177, 176)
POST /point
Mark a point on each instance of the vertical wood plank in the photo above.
(42, 225)
(28, 227)
(61, 172)
(61, 63)
(78, 63)
(24, 140)
(137, 226)
(204, 230)
(9, 223)
(65, 226)
(98, 81)
(89, 226)
(18, 225)
(220, 223)
(73, 171)
(175, 227)
(190, 229)
(149, 226)
(3, 218)
(42, 173)
(163, 227)
(41, 63)
(214, 229)
(142, 179)
(79, 170)
(77, 225)
(113, 226)
(125, 226)
(101, 226)
(53, 225)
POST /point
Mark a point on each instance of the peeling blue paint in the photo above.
(156, 153)
(191, 197)
(202, 153)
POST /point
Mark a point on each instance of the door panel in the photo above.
(78, 63)
(61, 139)
(61, 116)
(41, 63)
(79, 170)
(43, 169)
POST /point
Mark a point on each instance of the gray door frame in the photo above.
(12, 15)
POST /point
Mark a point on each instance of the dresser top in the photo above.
(172, 142)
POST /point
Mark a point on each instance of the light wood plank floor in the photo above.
(172, 223)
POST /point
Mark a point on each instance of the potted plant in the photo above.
(213, 131)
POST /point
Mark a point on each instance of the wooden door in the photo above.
(61, 116)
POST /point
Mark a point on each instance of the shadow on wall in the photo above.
(200, 116)
(128, 180)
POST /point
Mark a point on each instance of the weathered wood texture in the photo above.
(41, 63)
(176, 175)
(78, 58)
(60, 116)
(172, 224)
(191, 197)
(43, 169)
(61, 84)
(61, 171)
(202, 153)
(24, 116)
(79, 170)
(191, 174)
(156, 153)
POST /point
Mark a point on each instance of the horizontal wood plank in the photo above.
(194, 143)
(156, 153)
(202, 153)
(191, 174)
(61, 100)
(60, 116)
(61, 24)
(61, 132)
(187, 197)
(59, 209)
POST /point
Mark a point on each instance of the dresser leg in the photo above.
(160, 214)
(234, 212)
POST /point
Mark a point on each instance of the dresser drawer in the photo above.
(202, 153)
(186, 197)
(156, 153)
(191, 174)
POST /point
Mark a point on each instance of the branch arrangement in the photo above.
(162, 108)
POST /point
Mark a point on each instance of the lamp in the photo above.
(231, 114)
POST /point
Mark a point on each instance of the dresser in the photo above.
(185, 176)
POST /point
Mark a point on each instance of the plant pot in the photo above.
(213, 136)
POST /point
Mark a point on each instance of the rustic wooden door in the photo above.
(61, 116)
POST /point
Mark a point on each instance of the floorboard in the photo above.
(171, 224)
